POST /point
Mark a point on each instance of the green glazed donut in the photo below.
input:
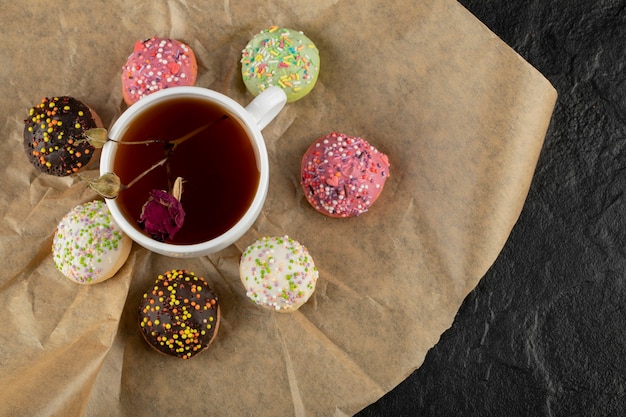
(280, 57)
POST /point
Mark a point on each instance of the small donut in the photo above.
(342, 176)
(88, 246)
(278, 273)
(52, 132)
(282, 57)
(180, 314)
(155, 64)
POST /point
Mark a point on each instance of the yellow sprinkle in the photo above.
(64, 108)
(77, 125)
(80, 113)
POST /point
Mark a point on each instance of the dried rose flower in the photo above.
(162, 216)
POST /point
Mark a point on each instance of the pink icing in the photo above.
(155, 64)
(342, 176)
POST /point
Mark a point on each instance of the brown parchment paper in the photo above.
(461, 116)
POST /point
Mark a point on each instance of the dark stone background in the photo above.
(544, 332)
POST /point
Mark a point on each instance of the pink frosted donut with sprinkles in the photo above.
(278, 273)
(155, 64)
(88, 246)
(342, 175)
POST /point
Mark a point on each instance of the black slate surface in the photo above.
(544, 332)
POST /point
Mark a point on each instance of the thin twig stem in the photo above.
(143, 174)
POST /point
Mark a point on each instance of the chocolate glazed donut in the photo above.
(53, 132)
(179, 316)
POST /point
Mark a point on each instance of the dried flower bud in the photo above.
(97, 136)
(107, 185)
(177, 189)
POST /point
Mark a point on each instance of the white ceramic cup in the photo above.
(254, 117)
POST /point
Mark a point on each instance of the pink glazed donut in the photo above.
(155, 64)
(342, 176)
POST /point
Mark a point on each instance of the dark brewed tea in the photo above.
(218, 165)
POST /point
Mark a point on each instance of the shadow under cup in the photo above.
(224, 167)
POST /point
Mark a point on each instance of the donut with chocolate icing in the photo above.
(88, 246)
(342, 175)
(280, 57)
(278, 273)
(180, 314)
(54, 133)
(155, 64)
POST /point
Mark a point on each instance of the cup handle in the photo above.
(266, 106)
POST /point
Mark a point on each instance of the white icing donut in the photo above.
(88, 246)
(278, 273)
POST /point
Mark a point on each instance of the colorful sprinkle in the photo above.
(64, 153)
(171, 323)
(278, 273)
(280, 57)
(343, 175)
(88, 244)
(155, 64)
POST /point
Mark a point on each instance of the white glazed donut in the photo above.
(278, 273)
(88, 246)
